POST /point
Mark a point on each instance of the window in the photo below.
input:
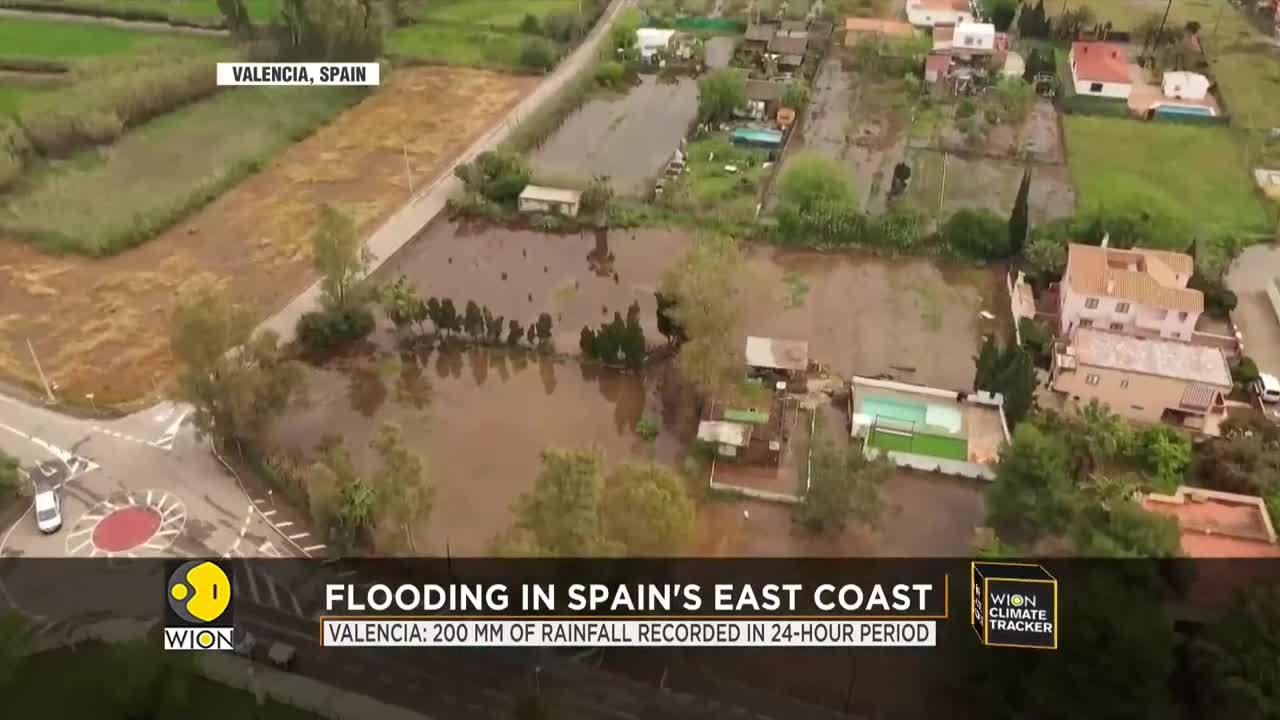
(1182, 316)
(1091, 304)
(1122, 308)
(968, 41)
(1095, 87)
(1124, 383)
(1086, 322)
(1092, 379)
(1117, 326)
(1137, 407)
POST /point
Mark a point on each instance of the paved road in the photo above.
(140, 486)
(407, 222)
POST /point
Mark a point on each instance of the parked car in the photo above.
(282, 656)
(48, 509)
(1267, 388)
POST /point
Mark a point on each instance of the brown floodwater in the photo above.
(480, 418)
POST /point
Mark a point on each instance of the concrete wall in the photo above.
(924, 17)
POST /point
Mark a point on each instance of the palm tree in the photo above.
(16, 636)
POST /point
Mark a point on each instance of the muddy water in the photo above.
(579, 278)
(480, 419)
(628, 138)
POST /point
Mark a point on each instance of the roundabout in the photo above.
(139, 523)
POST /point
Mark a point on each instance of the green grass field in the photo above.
(948, 448)
(495, 13)
(457, 45)
(163, 169)
(707, 187)
(1195, 175)
(73, 685)
(203, 12)
(70, 41)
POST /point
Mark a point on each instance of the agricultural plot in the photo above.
(198, 12)
(722, 180)
(478, 33)
(1196, 176)
(97, 323)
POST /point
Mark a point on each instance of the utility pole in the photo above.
(408, 173)
(44, 380)
(1160, 32)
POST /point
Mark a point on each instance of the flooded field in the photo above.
(866, 315)
(628, 138)
(480, 420)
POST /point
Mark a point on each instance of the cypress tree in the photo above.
(1018, 219)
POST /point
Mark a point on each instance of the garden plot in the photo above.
(628, 138)
(942, 183)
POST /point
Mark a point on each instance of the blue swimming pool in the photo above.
(1183, 111)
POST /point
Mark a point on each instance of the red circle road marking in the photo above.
(126, 529)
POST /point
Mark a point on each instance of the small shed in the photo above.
(536, 198)
(790, 357)
(763, 96)
(758, 36)
(788, 45)
(730, 438)
(1185, 85)
(651, 40)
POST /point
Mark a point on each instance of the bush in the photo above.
(966, 109)
(647, 428)
(611, 74)
(14, 150)
(530, 25)
(498, 176)
(1218, 300)
(1244, 371)
(563, 26)
(1037, 341)
(538, 55)
(978, 234)
(320, 333)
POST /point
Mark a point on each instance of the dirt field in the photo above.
(628, 138)
(984, 183)
(101, 325)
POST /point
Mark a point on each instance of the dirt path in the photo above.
(142, 25)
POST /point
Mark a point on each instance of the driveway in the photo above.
(1254, 316)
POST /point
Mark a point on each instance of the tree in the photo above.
(341, 499)
(720, 93)
(237, 18)
(329, 30)
(236, 395)
(401, 304)
(1001, 13)
(1033, 495)
(543, 328)
(977, 233)
(1046, 256)
(560, 516)
(147, 681)
(530, 25)
(987, 364)
(473, 321)
(706, 286)
(531, 333)
(667, 325)
(492, 327)
(449, 321)
(16, 639)
(1016, 96)
(596, 198)
(499, 176)
(404, 498)
(633, 345)
(587, 343)
(8, 475)
(844, 488)
(811, 181)
(1017, 383)
(646, 510)
(320, 333)
(340, 258)
(795, 96)
(515, 333)
(1166, 454)
(1236, 655)
(538, 54)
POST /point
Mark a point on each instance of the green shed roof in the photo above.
(749, 416)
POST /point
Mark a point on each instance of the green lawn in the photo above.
(203, 12)
(12, 96)
(163, 169)
(1195, 175)
(457, 45)
(948, 448)
(707, 187)
(497, 13)
(72, 686)
(71, 41)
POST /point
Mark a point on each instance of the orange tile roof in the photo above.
(883, 27)
(1101, 62)
(1140, 275)
(957, 5)
(1218, 524)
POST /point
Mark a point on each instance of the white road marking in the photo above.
(284, 524)
(268, 513)
(253, 585)
(313, 547)
(299, 535)
(80, 532)
(81, 546)
(275, 598)
(297, 609)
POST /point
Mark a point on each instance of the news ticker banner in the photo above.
(240, 73)
(880, 603)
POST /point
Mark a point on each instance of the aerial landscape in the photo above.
(695, 279)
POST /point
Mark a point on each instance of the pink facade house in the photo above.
(1139, 292)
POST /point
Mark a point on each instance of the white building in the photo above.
(1185, 86)
(1139, 291)
(651, 40)
(555, 201)
(1100, 69)
(930, 13)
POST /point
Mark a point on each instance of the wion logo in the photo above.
(198, 612)
(1014, 605)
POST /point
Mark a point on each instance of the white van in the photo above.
(1267, 388)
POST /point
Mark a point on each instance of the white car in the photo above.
(48, 511)
(1267, 388)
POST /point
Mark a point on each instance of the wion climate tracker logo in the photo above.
(1014, 605)
(198, 612)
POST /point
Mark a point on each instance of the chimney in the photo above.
(1106, 239)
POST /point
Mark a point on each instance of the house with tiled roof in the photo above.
(1100, 69)
(931, 13)
(1137, 291)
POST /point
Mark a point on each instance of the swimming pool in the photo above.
(916, 416)
(885, 408)
(1167, 110)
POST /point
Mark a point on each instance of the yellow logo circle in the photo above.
(1016, 600)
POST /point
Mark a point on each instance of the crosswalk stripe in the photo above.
(299, 535)
(284, 524)
(313, 547)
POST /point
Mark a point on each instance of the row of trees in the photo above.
(616, 342)
(406, 311)
(316, 30)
